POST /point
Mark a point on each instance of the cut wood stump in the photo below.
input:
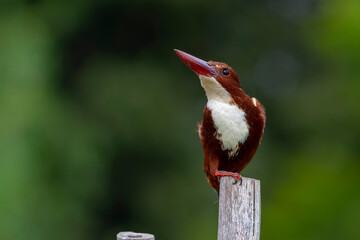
(134, 236)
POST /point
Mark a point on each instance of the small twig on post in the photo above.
(134, 236)
(239, 209)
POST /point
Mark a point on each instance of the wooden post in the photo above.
(134, 236)
(239, 209)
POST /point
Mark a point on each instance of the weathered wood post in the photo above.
(134, 236)
(239, 209)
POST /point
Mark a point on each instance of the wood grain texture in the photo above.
(134, 236)
(239, 209)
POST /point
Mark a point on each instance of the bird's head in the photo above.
(219, 80)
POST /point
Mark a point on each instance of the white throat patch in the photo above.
(229, 119)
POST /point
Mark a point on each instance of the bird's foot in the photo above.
(236, 176)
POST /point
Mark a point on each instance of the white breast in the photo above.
(231, 125)
(229, 120)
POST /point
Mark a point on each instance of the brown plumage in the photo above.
(221, 84)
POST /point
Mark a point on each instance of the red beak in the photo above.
(200, 67)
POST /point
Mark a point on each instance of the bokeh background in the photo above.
(98, 116)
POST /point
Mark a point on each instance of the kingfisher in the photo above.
(233, 123)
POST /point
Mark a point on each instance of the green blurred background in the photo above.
(98, 116)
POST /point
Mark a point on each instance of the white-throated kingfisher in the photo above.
(233, 123)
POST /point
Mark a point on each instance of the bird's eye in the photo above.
(225, 72)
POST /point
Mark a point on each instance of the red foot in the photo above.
(236, 176)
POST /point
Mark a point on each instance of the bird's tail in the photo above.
(214, 182)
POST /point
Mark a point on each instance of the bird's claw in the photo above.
(236, 180)
(237, 177)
